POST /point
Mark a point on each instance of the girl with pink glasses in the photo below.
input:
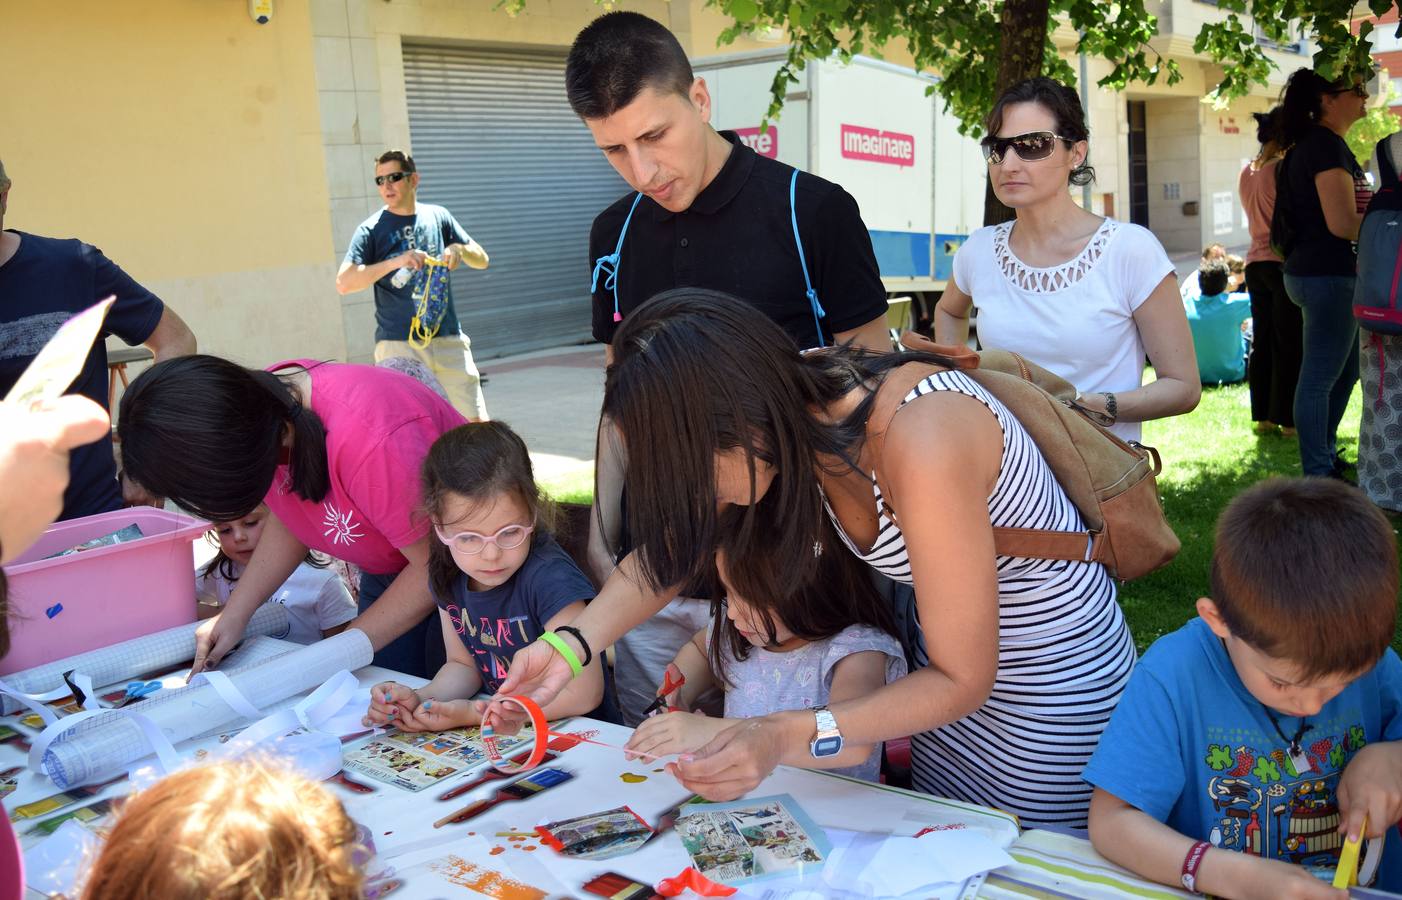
(500, 581)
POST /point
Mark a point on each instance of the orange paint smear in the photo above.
(462, 873)
(497, 850)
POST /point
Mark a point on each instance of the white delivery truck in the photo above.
(871, 127)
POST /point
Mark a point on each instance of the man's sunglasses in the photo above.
(392, 178)
(1030, 147)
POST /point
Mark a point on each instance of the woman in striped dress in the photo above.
(728, 428)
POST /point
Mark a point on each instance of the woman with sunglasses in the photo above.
(1083, 295)
(1321, 194)
(333, 450)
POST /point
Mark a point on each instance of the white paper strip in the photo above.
(104, 746)
(138, 656)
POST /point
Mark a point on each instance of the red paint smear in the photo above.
(931, 829)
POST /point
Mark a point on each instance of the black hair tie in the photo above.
(583, 644)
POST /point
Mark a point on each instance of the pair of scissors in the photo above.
(137, 690)
(668, 686)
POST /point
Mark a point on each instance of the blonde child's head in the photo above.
(1304, 589)
(229, 831)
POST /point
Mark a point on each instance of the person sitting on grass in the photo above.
(1271, 725)
(1215, 319)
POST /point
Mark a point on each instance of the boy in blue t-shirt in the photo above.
(1215, 319)
(1271, 725)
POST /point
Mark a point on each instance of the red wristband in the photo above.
(1191, 863)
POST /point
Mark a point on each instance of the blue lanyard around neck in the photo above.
(608, 265)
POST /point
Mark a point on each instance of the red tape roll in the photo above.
(538, 724)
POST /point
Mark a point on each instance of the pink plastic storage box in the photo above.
(79, 602)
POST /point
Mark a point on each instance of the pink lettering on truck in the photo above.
(890, 147)
(765, 144)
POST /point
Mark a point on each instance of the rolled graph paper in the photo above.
(104, 746)
(138, 656)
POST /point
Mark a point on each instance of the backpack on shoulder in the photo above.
(1377, 288)
(1110, 481)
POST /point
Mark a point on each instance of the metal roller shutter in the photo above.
(497, 144)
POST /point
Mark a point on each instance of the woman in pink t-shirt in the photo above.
(333, 449)
(1277, 329)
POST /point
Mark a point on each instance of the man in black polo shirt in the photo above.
(705, 211)
(713, 213)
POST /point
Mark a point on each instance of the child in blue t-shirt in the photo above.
(1272, 724)
(1215, 319)
(499, 579)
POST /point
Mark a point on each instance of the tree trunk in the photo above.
(1022, 44)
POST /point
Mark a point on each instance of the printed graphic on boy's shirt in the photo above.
(1277, 804)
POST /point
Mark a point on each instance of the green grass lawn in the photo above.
(1209, 456)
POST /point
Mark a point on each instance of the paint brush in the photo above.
(521, 789)
(491, 775)
(620, 887)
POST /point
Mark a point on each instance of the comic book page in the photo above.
(733, 843)
(416, 760)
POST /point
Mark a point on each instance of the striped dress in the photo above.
(1064, 651)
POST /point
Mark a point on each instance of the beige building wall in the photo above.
(184, 140)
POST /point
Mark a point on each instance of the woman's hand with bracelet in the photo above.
(537, 671)
(1102, 408)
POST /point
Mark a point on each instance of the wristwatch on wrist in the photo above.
(828, 741)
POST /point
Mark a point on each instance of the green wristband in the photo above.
(564, 650)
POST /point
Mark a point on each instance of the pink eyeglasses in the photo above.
(470, 542)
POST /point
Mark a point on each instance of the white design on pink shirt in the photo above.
(340, 527)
